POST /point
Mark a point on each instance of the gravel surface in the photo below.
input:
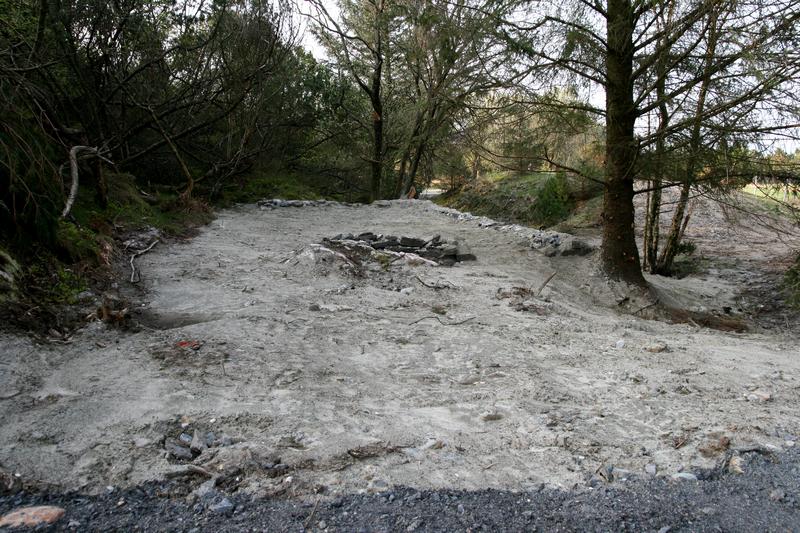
(763, 498)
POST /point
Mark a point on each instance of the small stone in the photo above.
(414, 525)
(412, 242)
(224, 506)
(198, 443)
(141, 442)
(789, 443)
(461, 509)
(206, 490)
(314, 307)
(759, 396)
(656, 348)
(185, 438)
(73, 524)
(665, 529)
(433, 444)
(491, 416)
(735, 465)
(407, 290)
(684, 476)
(777, 495)
(322, 524)
(32, 516)
(620, 344)
(651, 469)
(177, 451)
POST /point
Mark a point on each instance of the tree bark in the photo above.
(620, 256)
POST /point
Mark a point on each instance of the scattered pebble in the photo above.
(684, 476)
(620, 344)
(224, 506)
(759, 396)
(651, 469)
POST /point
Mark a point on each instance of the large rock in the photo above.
(32, 516)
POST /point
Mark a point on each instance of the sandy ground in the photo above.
(357, 383)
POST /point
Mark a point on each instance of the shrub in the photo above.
(791, 282)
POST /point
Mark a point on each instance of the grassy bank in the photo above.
(41, 278)
(543, 199)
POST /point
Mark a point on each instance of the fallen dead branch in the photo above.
(438, 285)
(648, 306)
(543, 285)
(190, 469)
(73, 169)
(311, 516)
(441, 322)
(134, 277)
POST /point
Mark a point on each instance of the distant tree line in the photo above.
(199, 96)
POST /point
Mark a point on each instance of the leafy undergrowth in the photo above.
(791, 282)
(270, 185)
(541, 200)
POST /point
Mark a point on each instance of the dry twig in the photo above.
(443, 323)
(543, 285)
(134, 278)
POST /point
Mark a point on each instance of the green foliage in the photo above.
(791, 283)
(269, 185)
(553, 203)
(540, 199)
(686, 248)
(9, 273)
(77, 243)
(68, 284)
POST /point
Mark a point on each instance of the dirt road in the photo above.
(302, 373)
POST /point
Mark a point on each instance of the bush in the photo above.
(553, 202)
(791, 282)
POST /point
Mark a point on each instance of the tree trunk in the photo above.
(377, 152)
(678, 226)
(620, 256)
(101, 186)
(652, 226)
(377, 109)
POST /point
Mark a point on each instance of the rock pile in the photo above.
(433, 249)
(553, 244)
(277, 202)
(187, 445)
